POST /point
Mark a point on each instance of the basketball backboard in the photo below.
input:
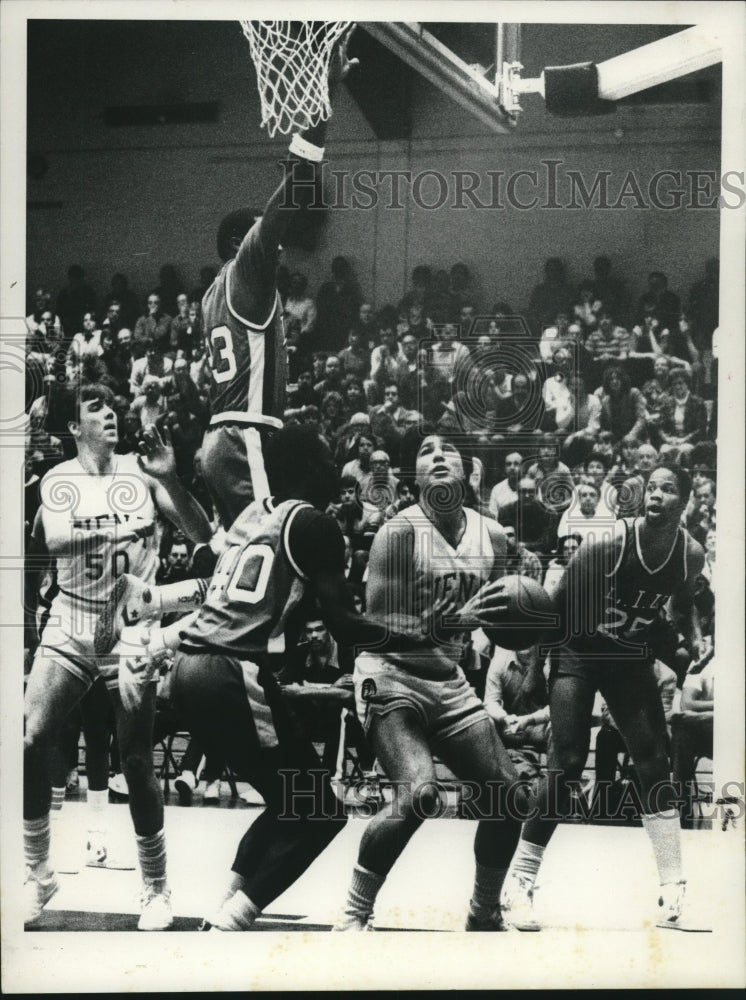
(466, 70)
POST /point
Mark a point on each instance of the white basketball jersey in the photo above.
(441, 571)
(97, 528)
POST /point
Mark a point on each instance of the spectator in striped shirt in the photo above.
(609, 341)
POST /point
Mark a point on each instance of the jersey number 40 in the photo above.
(244, 573)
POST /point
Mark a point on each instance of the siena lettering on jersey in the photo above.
(458, 585)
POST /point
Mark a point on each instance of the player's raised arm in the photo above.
(256, 259)
(157, 461)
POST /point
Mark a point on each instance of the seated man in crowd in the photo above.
(515, 696)
(552, 477)
(155, 325)
(506, 491)
(408, 372)
(152, 404)
(377, 490)
(153, 363)
(535, 526)
(318, 689)
(632, 490)
(519, 560)
(585, 516)
(355, 358)
(392, 405)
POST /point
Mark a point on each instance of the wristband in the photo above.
(305, 149)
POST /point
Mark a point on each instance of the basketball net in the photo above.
(292, 64)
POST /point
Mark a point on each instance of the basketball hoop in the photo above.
(292, 64)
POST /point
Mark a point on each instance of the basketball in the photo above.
(530, 615)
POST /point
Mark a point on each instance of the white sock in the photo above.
(151, 853)
(237, 913)
(527, 860)
(58, 798)
(361, 896)
(664, 830)
(98, 802)
(485, 898)
(36, 838)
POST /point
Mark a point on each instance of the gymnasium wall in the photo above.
(133, 198)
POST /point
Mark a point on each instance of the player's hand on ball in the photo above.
(489, 606)
(444, 613)
(156, 456)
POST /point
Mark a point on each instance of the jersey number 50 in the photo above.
(223, 359)
(94, 564)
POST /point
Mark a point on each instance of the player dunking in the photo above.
(243, 325)
(610, 603)
(413, 703)
(97, 522)
(278, 550)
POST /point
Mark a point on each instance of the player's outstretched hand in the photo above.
(156, 456)
(341, 64)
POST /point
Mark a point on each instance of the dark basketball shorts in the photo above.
(208, 679)
(594, 667)
(233, 467)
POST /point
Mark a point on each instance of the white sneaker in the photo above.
(233, 914)
(517, 904)
(37, 891)
(98, 856)
(185, 785)
(351, 922)
(673, 914)
(252, 797)
(212, 792)
(118, 784)
(155, 909)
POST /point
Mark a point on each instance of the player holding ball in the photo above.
(435, 567)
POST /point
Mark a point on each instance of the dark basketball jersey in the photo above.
(248, 359)
(633, 595)
(255, 587)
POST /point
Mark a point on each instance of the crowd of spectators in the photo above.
(561, 409)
